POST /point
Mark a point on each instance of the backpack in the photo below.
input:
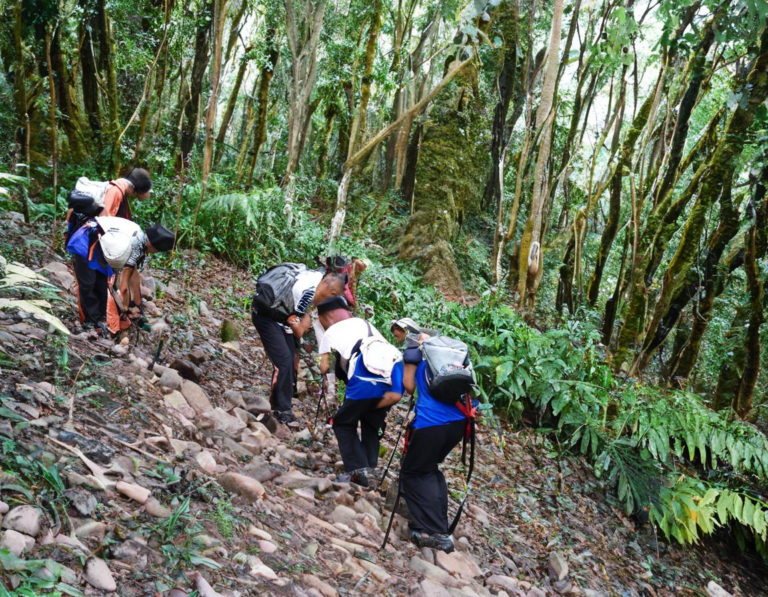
(87, 198)
(452, 377)
(378, 355)
(343, 266)
(274, 291)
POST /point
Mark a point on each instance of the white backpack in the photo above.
(93, 188)
(379, 356)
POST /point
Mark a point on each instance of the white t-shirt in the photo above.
(343, 335)
(304, 290)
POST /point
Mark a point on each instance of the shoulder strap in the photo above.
(370, 330)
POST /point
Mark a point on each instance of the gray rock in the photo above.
(84, 501)
(458, 564)
(197, 356)
(196, 397)
(234, 398)
(432, 572)
(171, 379)
(256, 403)
(503, 582)
(23, 519)
(344, 515)
(223, 421)
(558, 566)
(430, 588)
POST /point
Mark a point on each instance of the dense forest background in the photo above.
(584, 180)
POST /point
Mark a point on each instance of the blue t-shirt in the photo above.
(364, 385)
(430, 412)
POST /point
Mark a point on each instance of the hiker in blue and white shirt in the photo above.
(368, 397)
(280, 339)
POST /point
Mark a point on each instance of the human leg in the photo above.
(280, 349)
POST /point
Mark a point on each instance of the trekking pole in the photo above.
(320, 400)
(397, 443)
(157, 356)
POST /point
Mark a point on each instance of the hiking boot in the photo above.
(102, 330)
(286, 417)
(435, 541)
(358, 477)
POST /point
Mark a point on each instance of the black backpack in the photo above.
(452, 377)
(274, 291)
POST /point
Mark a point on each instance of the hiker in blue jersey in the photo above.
(435, 431)
(368, 396)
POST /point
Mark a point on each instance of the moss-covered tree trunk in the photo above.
(711, 175)
(614, 210)
(191, 103)
(707, 286)
(451, 174)
(260, 131)
(226, 118)
(88, 72)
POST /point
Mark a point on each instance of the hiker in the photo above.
(437, 428)
(369, 394)
(117, 246)
(280, 314)
(111, 199)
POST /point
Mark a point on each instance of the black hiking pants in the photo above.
(363, 451)
(422, 483)
(91, 292)
(281, 350)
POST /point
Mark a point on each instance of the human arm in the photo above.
(299, 325)
(130, 290)
(389, 399)
(396, 390)
(409, 377)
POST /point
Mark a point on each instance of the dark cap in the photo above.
(332, 304)
(141, 181)
(161, 238)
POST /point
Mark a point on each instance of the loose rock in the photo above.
(243, 486)
(99, 576)
(196, 397)
(24, 519)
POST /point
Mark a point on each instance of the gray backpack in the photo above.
(452, 377)
(274, 291)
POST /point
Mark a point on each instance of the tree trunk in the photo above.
(530, 248)
(199, 66)
(360, 121)
(712, 174)
(341, 198)
(303, 27)
(109, 74)
(67, 104)
(408, 186)
(614, 212)
(231, 103)
(220, 8)
(322, 152)
(260, 132)
(89, 75)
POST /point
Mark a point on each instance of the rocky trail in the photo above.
(120, 477)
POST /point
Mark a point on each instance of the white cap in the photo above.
(406, 323)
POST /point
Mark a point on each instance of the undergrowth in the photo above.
(693, 470)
